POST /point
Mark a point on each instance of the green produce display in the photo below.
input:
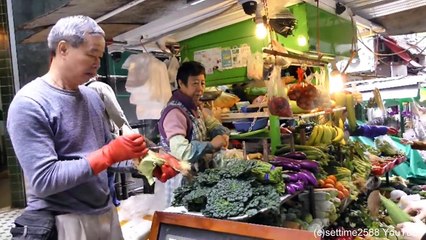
(237, 188)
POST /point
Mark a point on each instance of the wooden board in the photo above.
(167, 226)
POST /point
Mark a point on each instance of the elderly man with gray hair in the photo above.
(63, 142)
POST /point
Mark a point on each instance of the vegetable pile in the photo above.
(238, 188)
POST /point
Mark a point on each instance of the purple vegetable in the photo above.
(299, 186)
(296, 155)
(310, 177)
(294, 187)
(305, 164)
(286, 165)
(290, 189)
(291, 177)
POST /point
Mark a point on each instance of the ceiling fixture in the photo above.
(283, 23)
(340, 8)
(249, 6)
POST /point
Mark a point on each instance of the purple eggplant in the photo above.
(296, 155)
(299, 186)
(291, 177)
(286, 165)
(305, 164)
(290, 189)
(310, 177)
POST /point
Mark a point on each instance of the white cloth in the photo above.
(89, 227)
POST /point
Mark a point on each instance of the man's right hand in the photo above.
(120, 149)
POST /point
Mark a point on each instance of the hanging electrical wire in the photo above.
(353, 44)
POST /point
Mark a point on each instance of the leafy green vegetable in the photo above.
(147, 165)
(233, 190)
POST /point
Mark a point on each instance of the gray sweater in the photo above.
(52, 131)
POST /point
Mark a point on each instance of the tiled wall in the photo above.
(7, 93)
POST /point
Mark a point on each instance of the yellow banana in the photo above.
(341, 124)
(314, 134)
(319, 135)
(350, 109)
(333, 132)
(340, 135)
(326, 136)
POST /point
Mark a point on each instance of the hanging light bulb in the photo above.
(261, 30)
(301, 40)
(336, 80)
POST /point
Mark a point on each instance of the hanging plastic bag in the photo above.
(270, 60)
(418, 118)
(278, 102)
(148, 85)
(255, 67)
(172, 69)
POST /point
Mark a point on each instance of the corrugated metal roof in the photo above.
(370, 9)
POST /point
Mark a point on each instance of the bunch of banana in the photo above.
(325, 134)
(361, 167)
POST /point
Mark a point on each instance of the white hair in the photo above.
(72, 29)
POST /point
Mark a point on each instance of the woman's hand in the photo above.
(406, 142)
(220, 141)
(412, 230)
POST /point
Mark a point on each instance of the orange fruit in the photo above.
(328, 185)
(332, 177)
(339, 186)
(340, 195)
(321, 183)
(329, 181)
(346, 192)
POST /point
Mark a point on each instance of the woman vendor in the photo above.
(187, 131)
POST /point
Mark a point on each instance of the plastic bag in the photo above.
(304, 93)
(278, 102)
(270, 60)
(255, 67)
(226, 100)
(148, 85)
(136, 212)
(172, 69)
(418, 118)
(387, 146)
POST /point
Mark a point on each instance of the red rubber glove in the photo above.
(120, 149)
(170, 160)
(392, 131)
(164, 173)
